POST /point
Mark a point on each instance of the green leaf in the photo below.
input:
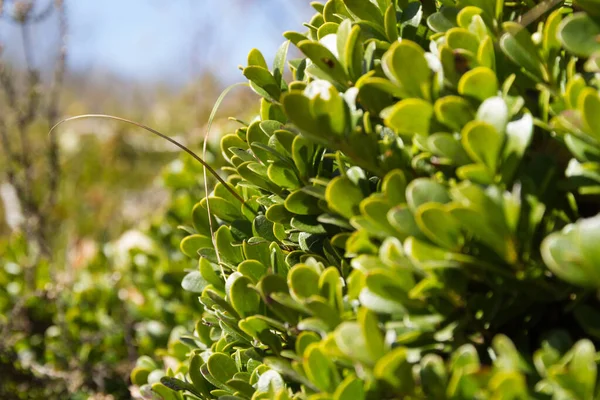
(328, 107)
(492, 234)
(453, 111)
(279, 64)
(414, 77)
(200, 219)
(364, 10)
(486, 54)
(255, 58)
(320, 369)
(139, 376)
(303, 282)
(163, 392)
(409, 117)
(391, 23)
(350, 340)
(483, 143)
(580, 377)
(301, 203)
(551, 42)
(241, 387)
(439, 226)
(257, 250)
(395, 370)
(448, 146)
(465, 16)
(390, 286)
(403, 220)
(196, 377)
(304, 340)
(476, 173)
(330, 288)
(335, 11)
(422, 190)
(243, 298)
(443, 20)
(328, 28)
(222, 209)
(282, 175)
(351, 388)
(394, 187)
(302, 153)
(224, 240)
(277, 213)
(294, 37)
(517, 44)
(178, 385)
(579, 34)
(262, 78)
(263, 228)
(194, 282)
(325, 60)
(479, 83)
(434, 377)
(459, 38)
(191, 244)
(252, 269)
(374, 340)
(298, 109)
(589, 104)
(354, 54)
(375, 211)
(221, 367)
(519, 134)
(209, 274)
(344, 197)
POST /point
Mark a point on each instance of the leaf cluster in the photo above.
(420, 212)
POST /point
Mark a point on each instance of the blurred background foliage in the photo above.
(90, 218)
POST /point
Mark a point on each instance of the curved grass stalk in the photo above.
(211, 119)
(157, 133)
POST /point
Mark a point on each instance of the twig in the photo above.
(33, 18)
(26, 117)
(538, 11)
(52, 111)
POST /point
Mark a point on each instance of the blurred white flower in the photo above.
(319, 88)
(330, 42)
(12, 207)
(130, 240)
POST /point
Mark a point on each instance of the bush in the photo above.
(414, 215)
(80, 337)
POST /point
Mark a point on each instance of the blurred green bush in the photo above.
(82, 328)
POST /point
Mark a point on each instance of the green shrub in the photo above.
(414, 215)
(82, 339)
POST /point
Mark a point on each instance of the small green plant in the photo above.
(420, 214)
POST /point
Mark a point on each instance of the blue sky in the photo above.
(173, 40)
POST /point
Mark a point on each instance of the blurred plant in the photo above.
(25, 106)
(122, 301)
(76, 311)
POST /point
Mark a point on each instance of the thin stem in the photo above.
(157, 133)
(27, 46)
(538, 11)
(26, 116)
(52, 111)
